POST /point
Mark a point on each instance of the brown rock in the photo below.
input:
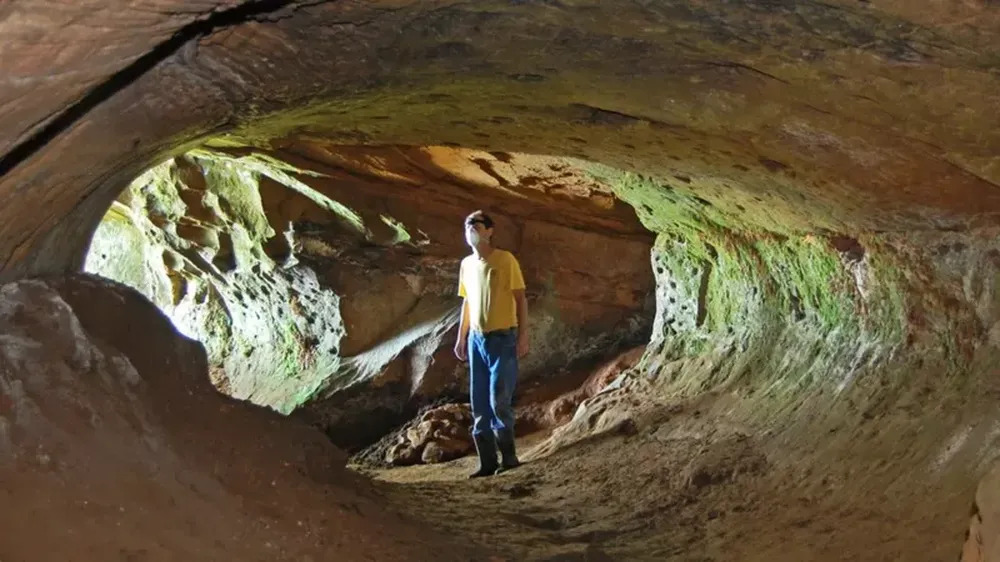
(423, 431)
(403, 454)
(540, 410)
(982, 541)
(443, 450)
(439, 435)
(126, 410)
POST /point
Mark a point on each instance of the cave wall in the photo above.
(190, 234)
(840, 115)
(331, 283)
(865, 366)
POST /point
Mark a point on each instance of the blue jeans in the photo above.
(492, 377)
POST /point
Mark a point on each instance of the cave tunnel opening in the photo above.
(321, 280)
(667, 322)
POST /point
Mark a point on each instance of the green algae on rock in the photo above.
(192, 240)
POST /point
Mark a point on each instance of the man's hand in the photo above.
(522, 345)
(461, 349)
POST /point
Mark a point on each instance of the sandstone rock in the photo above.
(439, 435)
(272, 333)
(331, 308)
(125, 411)
(972, 549)
(723, 461)
(539, 409)
(403, 454)
(443, 450)
(455, 414)
(982, 541)
(423, 431)
(747, 134)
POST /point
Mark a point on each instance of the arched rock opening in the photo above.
(322, 278)
(822, 177)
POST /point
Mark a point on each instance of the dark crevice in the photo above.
(727, 64)
(599, 116)
(243, 13)
(487, 168)
(849, 248)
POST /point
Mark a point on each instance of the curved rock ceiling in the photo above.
(845, 116)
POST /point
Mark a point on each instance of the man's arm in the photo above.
(461, 344)
(521, 302)
(461, 348)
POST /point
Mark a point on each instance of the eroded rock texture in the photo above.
(817, 115)
(326, 275)
(984, 522)
(193, 235)
(442, 433)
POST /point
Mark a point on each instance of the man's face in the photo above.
(476, 231)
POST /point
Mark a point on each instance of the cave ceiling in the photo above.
(784, 116)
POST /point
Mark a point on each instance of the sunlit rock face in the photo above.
(326, 275)
(191, 235)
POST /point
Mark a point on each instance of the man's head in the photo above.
(478, 229)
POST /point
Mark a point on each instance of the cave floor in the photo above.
(671, 491)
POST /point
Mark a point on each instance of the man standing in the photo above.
(492, 334)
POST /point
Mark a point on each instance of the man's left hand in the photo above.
(522, 345)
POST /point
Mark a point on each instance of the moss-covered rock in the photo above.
(324, 276)
(190, 235)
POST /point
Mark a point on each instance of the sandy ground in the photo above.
(115, 448)
(684, 487)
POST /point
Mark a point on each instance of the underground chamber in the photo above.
(760, 243)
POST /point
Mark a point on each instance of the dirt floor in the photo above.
(115, 448)
(684, 486)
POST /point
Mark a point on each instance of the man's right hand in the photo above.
(461, 349)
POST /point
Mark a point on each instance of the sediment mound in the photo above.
(116, 447)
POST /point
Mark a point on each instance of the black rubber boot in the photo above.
(505, 441)
(486, 448)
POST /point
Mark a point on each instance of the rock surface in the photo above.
(442, 433)
(982, 542)
(115, 446)
(439, 435)
(842, 116)
(325, 275)
(821, 177)
(194, 237)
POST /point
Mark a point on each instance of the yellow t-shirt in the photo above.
(487, 286)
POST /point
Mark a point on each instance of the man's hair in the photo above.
(479, 216)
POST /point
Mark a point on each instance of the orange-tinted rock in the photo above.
(403, 454)
(791, 131)
(541, 410)
(982, 540)
(444, 449)
(394, 293)
(439, 435)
